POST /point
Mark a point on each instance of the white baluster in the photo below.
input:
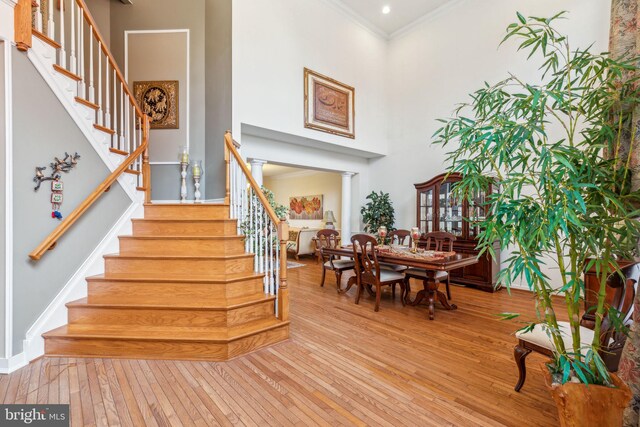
(50, 24)
(107, 96)
(63, 53)
(39, 15)
(72, 55)
(100, 83)
(121, 144)
(92, 89)
(115, 109)
(127, 131)
(81, 70)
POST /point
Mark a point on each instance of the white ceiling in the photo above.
(403, 12)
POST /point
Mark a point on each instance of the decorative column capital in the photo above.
(257, 162)
(348, 174)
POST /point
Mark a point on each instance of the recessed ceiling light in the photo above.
(386, 9)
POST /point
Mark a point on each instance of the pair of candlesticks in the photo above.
(414, 233)
(196, 171)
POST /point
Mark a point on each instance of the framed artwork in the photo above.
(329, 105)
(305, 207)
(159, 101)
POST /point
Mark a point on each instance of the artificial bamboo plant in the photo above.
(565, 202)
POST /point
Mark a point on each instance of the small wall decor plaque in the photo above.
(57, 186)
(159, 101)
(328, 105)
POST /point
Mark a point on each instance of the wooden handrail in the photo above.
(107, 52)
(51, 240)
(230, 145)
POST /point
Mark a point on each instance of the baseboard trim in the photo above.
(55, 314)
(12, 364)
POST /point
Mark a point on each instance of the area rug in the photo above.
(291, 264)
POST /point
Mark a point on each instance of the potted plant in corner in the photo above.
(565, 198)
(378, 212)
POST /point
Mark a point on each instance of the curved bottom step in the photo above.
(162, 343)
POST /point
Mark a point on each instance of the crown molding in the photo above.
(366, 24)
(357, 18)
(425, 18)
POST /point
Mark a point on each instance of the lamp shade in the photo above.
(329, 217)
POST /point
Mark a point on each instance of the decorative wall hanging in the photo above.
(306, 207)
(329, 105)
(57, 186)
(159, 101)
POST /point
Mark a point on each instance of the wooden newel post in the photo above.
(22, 24)
(146, 167)
(283, 289)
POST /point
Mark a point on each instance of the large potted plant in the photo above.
(378, 212)
(565, 200)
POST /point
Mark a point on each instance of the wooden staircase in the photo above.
(182, 287)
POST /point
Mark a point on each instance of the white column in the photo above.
(7, 31)
(256, 169)
(345, 217)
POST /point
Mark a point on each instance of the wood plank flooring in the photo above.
(344, 365)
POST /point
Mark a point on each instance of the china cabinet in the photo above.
(438, 210)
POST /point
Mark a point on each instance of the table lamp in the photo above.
(329, 219)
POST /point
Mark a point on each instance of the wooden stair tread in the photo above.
(183, 220)
(67, 73)
(164, 333)
(104, 129)
(46, 39)
(87, 103)
(116, 151)
(132, 277)
(168, 237)
(179, 257)
(187, 205)
(172, 303)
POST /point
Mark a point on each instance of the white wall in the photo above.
(308, 183)
(274, 40)
(436, 64)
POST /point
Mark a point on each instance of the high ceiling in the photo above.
(403, 12)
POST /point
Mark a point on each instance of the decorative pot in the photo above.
(580, 405)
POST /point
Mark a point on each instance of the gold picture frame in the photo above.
(160, 101)
(329, 105)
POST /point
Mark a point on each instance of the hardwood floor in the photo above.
(344, 365)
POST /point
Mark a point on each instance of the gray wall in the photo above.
(101, 12)
(160, 15)
(218, 89)
(3, 202)
(43, 130)
(209, 22)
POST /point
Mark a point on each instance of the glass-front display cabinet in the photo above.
(439, 210)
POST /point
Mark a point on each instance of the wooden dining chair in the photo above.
(397, 237)
(330, 239)
(611, 341)
(400, 237)
(436, 241)
(368, 270)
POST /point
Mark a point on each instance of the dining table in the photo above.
(430, 261)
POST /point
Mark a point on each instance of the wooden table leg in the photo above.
(431, 292)
(351, 282)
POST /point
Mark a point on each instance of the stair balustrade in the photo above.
(83, 56)
(265, 234)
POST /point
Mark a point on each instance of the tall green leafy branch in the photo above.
(565, 195)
